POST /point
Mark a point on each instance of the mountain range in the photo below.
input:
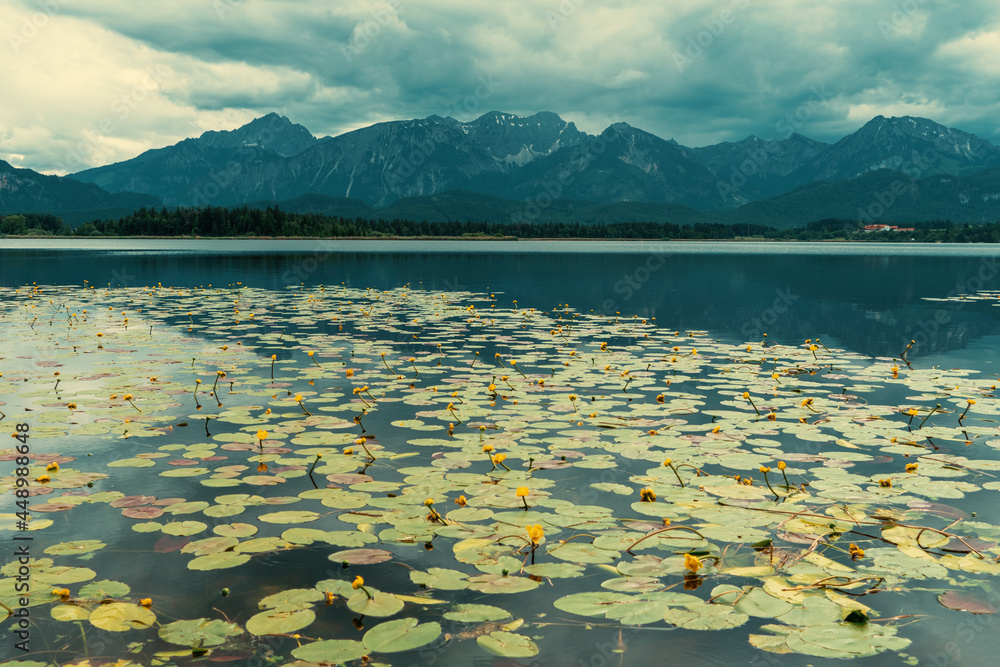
(540, 167)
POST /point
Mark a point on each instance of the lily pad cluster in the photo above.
(472, 472)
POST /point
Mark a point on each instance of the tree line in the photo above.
(246, 222)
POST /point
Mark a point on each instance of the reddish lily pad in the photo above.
(142, 512)
(963, 601)
(361, 556)
(132, 501)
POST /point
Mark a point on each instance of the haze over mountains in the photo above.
(543, 167)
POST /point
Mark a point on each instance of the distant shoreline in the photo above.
(450, 238)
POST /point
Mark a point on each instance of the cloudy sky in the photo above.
(89, 82)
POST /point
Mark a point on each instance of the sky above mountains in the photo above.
(87, 84)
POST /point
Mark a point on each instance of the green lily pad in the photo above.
(120, 617)
(64, 575)
(476, 613)
(332, 651)
(76, 547)
(705, 617)
(508, 644)
(198, 632)
(404, 634)
(104, 589)
(444, 579)
(555, 570)
(184, 528)
(70, 612)
(294, 597)
(379, 604)
(592, 604)
(289, 516)
(235, 530)
(499, 583)
(280, 621)
(219, 561)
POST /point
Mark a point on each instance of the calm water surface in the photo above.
(865, 297)
(868, 298)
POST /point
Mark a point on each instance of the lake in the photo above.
(586, 365)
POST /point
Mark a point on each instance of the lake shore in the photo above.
(751, 239)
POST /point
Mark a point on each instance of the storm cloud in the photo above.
(86, 84)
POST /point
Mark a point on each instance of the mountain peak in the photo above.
(269, 132)
(496, 116)
(514, 140)
(620, 128)
(503, 117)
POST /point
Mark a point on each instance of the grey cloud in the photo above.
(753, 65)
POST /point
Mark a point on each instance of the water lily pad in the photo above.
(64, 575)
(476, 613)
(120, 617)
(289, 516)
(235, 530)
(555, 570)
(198, 632)
(442, 578)
(104, 589)
(705, 617)
(209, 545)
(280, 621)
(508, 644)
(218, 561)
(76, 547)
(964, 601)
(70, 612)
(142, 512)
(400, 635)
(332, 651)
(379, 604)
(361, 556)
(500, 583)
(845, 640)
(184, 528)
(295, 597)
(578, 552)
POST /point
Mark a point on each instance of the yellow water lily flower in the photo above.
(692, 563)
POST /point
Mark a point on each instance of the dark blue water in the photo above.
(864, 297)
